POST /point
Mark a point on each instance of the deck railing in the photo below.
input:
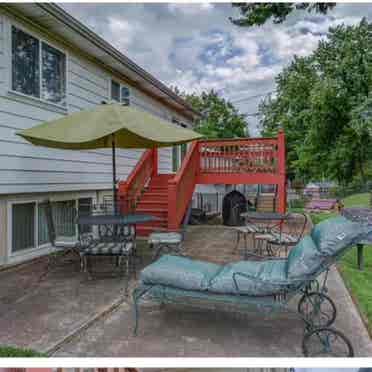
(130, 190)
(181, 187)
(258, 155)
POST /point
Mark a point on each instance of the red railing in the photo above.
(181, 187)
(131, 189)
(256, 155)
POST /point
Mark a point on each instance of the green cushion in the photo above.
(335, 234)
(180, 272)
(267, 277)
(304, 259)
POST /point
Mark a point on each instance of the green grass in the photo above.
(356, 200)
(14, 352)
(358, 282)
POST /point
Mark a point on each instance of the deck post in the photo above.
(154, 162)
(172, 205)
(282, 201)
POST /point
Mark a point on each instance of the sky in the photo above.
(195, 47)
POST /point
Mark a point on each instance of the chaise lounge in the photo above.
(266, 285)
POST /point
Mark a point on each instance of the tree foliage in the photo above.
(256, 14)
(324, 103)
(221, 119)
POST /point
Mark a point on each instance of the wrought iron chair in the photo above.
(285, 235)
(161, 242)
(108, 241)
(246, 230)
(63, 245)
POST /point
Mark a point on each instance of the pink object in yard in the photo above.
(321, 205)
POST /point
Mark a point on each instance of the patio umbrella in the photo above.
(108, 126)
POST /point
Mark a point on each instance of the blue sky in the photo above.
(196, 47)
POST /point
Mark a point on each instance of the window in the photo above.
(38, 69)
(29, 223)
(119, 93)
(115, 91)
(23, 226)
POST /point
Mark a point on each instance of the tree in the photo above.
(220, 118)
(256, 14)
(324, 104)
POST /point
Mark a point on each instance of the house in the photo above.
(52, 65)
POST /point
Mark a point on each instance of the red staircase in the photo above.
(231, 161)
(154, 201)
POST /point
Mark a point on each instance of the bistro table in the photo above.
(364, 216)
(260, 223)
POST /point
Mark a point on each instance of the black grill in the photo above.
(234, 203)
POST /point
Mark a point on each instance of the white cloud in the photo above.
(195, 46)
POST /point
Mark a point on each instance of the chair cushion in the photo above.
(165, 238)
(267, 278)
(334, 234)
(180, 272)
(108, 249)
(304, 259)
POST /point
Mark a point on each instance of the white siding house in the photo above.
(52, 65)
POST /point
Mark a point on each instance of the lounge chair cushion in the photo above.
(333, 235)
(304, 259)
(180, 272)
(266, 278)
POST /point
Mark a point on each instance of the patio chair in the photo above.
(267, 285)
(277, 238)
(63, 245)
(162, 242)
(114, 241)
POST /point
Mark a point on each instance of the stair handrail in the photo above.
(181, 187)
(132, 188)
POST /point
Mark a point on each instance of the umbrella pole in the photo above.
(114, 191)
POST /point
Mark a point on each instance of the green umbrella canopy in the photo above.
(92, 129)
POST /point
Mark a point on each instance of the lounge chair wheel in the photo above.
(317, 309)
(326, 342)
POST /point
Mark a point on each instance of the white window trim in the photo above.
(41, 249)
(41, 40)
(120, 86)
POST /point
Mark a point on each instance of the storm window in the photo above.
(38, 69)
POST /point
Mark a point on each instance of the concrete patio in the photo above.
(68, 315)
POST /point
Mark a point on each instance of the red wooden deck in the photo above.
(230, 161)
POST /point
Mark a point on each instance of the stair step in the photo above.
(153, 212)
(153, 203)
(154, 196)
(145, 231)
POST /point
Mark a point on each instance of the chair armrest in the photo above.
(287, 283)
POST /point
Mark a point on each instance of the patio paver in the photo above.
(175, 331)
(40, 316)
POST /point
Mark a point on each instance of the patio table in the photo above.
(362, 215)
(111, 234)
(265, 222)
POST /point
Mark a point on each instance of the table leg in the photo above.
(360, 256)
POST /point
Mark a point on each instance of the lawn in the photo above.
(358, 282)
(13, 352)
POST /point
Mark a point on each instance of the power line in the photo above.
(251, 97)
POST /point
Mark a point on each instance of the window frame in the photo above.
(41, 40)
(120, 88)
(37, 247)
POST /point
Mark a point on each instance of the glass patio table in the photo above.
(364, 216)
(263, 223)
(266, 220)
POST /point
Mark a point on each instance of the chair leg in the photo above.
(237, 241)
